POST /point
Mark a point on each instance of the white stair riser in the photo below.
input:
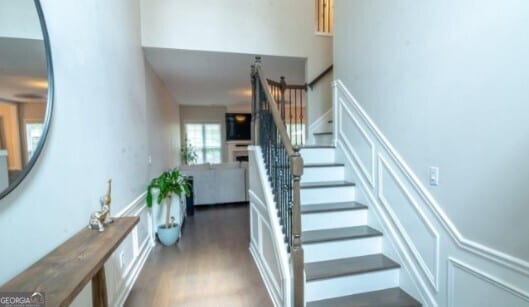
(354, 284)
(338, 194)
(317, 155)
(333, 219)
(342, 249)
(323, 139)
(328, 173)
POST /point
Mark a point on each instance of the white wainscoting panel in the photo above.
(133, 251)
(420, 236)
(468, 286)
(267, 245)
(417, 232)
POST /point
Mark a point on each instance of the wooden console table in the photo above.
(64, 272)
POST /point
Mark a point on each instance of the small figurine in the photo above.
(106, 201)
(98, 219)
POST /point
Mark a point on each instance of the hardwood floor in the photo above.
(210, 266)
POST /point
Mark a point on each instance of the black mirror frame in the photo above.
(49, 106)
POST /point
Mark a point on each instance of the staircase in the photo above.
(344, 264)
(336, 259)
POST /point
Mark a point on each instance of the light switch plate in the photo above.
(434, 175)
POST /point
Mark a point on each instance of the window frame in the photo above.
(204, 148)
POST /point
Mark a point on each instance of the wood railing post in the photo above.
(257, 101)
(282, 88)
(296, 162)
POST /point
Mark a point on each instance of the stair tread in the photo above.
(348, 266)
(328, 207)
(326, 184)
(324, 165)
(323, 133)
(326, 235)
(392, 297)
(317, 146)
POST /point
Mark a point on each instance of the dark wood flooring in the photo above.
(210, 266)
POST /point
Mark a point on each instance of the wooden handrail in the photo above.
(275, 113)
(321, 75)
(295, 165)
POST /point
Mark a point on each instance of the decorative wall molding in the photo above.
(141, 248)
(431, 273)
(389, 229)
(467, 244)
(267, 222)
(424, 258)
(369, 172)
(320, 123)
(454, 264)
(264, 227)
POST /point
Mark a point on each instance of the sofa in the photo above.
(218, 183)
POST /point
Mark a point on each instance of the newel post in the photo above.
(296, 163)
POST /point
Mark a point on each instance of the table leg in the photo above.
(99, 289)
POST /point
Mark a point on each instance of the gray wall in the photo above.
(446, 82)
(106, 102)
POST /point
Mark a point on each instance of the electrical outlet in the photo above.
(121, 259)
(149, 159)
(434, 175)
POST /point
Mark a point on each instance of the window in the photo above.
(324, 16)
(206, 140)
(33, 134)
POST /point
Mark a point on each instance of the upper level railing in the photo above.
(284, 166)
(291, 103)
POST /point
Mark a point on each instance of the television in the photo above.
(238, 126)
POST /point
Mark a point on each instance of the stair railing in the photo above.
(284, 167)
(290, 100)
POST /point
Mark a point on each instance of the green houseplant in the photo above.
(168, 184)
(188, 153)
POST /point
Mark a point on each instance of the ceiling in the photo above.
(23, 74)
(217, 78)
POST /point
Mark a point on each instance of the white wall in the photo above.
(163, 129)
(19, 19)
(264, 27)
(107, 103)
(446, 83)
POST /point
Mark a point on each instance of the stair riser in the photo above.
(324, 139)
(317, 155)
(328, 195)
(334, 219)
(352, 284)
(342, 249)
(317, 174)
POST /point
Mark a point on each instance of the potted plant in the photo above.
(168, 184)
(188, 153)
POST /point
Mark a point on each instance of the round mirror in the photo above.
(25, 89)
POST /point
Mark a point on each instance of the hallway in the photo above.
(210, 266)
